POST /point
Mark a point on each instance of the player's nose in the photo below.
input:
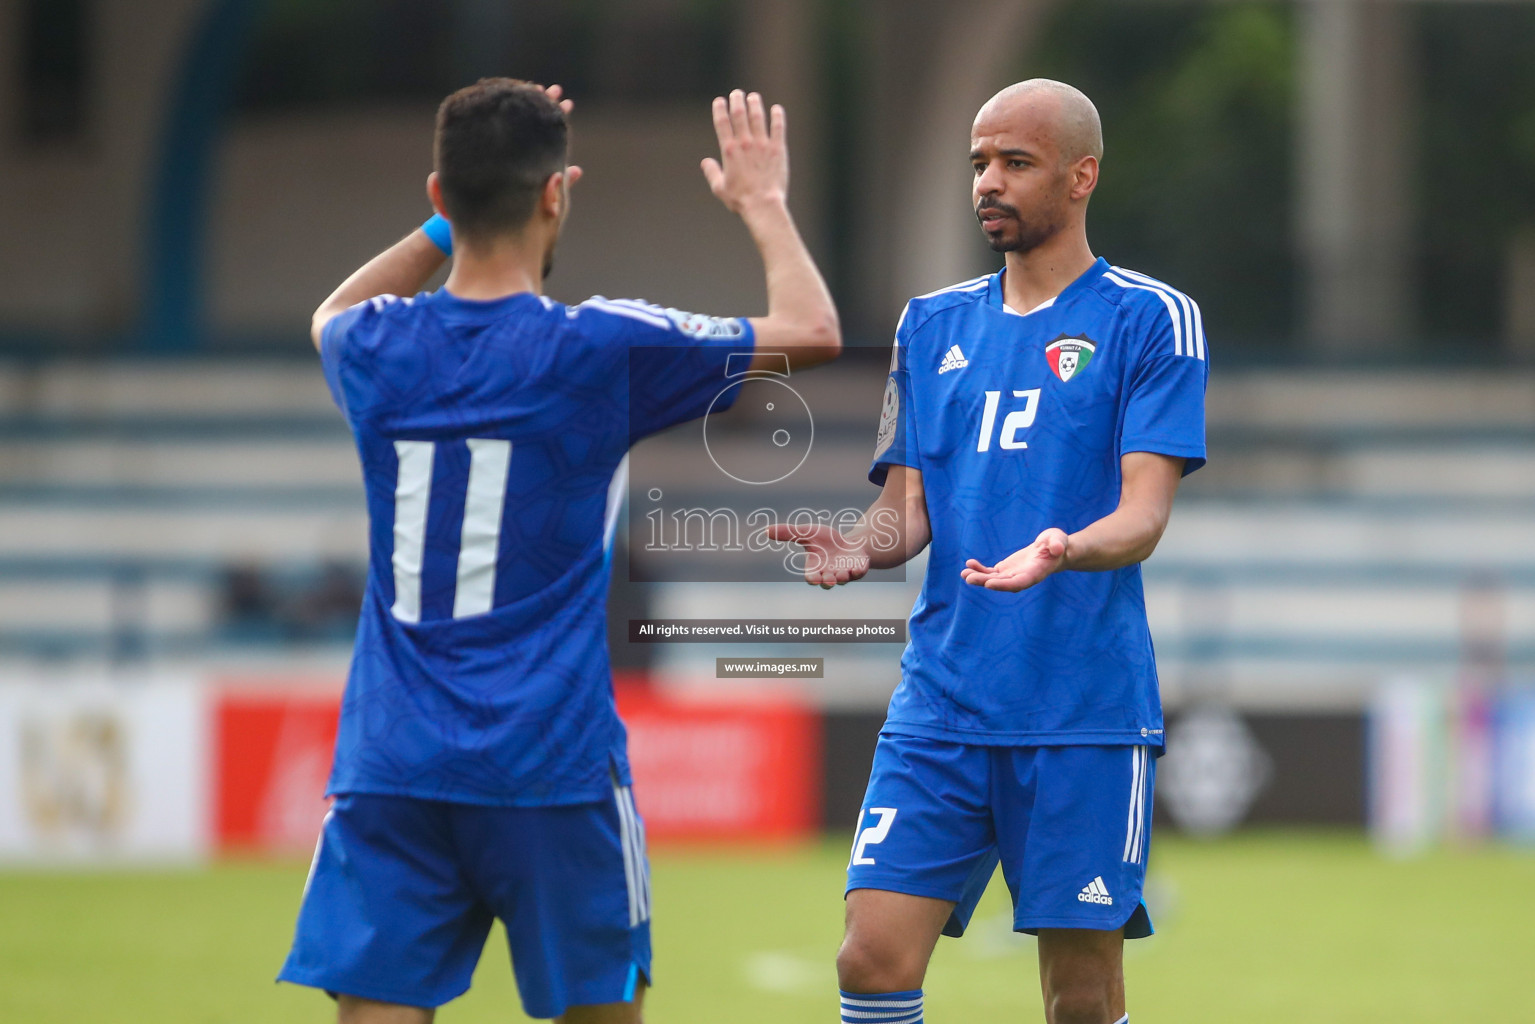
(989, 181)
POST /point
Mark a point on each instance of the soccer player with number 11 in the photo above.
(480, 768)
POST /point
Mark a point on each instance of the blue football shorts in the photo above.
(1070, 826)
(402, 894)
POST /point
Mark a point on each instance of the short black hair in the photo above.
(497, 143)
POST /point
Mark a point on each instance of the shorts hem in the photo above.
(406, 793)
(361, 990)
(1032, 925)
(626, 994)
(986, 738)
(905, 889)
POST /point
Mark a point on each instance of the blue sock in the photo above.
(1123, 1020)
(887, 1008)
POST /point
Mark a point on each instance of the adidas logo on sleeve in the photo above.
(953, 359)
(1095, 892)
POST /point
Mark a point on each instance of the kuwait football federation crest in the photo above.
(1069, 356)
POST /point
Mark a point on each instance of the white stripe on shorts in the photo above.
(314, 862)
(631, 835)
(641, 856)
(1135, 823)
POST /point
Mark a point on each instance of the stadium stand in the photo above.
(1349, 524)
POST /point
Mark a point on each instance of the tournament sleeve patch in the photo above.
(696, 325)
(889, 417)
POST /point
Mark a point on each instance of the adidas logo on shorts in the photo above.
(1095, 892)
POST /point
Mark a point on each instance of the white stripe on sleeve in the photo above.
(1173, 309)
(1193, 319)
(632, 312)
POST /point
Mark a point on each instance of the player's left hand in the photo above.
(1023, 568)
(753, 166)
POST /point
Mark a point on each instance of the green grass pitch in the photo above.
(1263, 928)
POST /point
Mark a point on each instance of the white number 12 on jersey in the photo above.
(480, 540)
(1015, 421)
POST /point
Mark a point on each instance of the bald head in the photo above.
(1046, 108)
(1035, 148)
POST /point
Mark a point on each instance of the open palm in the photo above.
(1023, 568)
(831, 559)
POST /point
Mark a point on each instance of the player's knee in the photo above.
(874, 966)
(1080, 1004)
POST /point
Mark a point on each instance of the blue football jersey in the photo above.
(491, 436)
(1017, 424)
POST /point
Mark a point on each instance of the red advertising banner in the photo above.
(272, 756)
(706, 769)
(715, 770)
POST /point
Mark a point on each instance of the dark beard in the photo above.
(1025, 237)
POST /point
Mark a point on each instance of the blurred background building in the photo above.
(1346, 186)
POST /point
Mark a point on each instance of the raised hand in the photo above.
(754, 156)
(1023, 568)
(832, 558)
(557, 94)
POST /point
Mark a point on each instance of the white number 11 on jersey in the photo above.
(480, 540)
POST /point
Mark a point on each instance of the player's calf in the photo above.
(1082, 974)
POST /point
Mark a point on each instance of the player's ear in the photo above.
(1084, 177)
(434, 193)
(551, 201)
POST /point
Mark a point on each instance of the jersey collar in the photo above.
(1083, 282)
(480, 309)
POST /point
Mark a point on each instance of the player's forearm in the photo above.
(802, 319)
(1126, 536)
(402, 269)
(895, 528)
(1130, 533)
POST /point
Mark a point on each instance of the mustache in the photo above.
(993, 203)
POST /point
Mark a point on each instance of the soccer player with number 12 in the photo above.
(481, 767)
(1055, 404)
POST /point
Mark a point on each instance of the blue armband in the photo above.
(441, 234)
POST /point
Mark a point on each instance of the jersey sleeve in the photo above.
(1165, 408)
(337, 344)
(896, 442)
(678, 363)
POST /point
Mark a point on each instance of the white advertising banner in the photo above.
(1408, 767)
(103, 770)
